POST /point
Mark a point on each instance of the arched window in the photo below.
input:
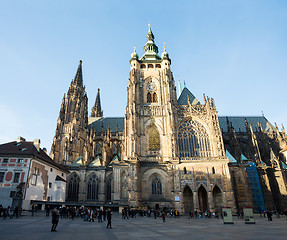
(150, 65)
(73, 188)
(154, 139)
(143, 66)
(115, 151)
(193, 140)
(158, 66)
(213, 170)
(154, 97)
(156, 186)
(109, 189)
(98, 149)
(148, 97)
(151, 88)
(93, 188)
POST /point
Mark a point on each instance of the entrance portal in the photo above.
(202, 199)
(187, 199)
(217, 198)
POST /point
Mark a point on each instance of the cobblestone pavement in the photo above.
(38, 228)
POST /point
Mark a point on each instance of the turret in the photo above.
(97, 110)
(72, 122)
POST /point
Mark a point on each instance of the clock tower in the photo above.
(151, 99)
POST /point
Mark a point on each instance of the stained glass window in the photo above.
(109, 189)
(73, 188)
(193, 140)
(93, 188)
(98, 149)
(156, 186)
(154, 139)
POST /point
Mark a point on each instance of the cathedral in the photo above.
(167, 151)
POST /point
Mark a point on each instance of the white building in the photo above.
(28, 175)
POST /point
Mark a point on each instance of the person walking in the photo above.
(33, 210)
(269, 215)
(100, 215)
(47, 211)
(154, 213)
(109, 218)
(163, 216)
(7, 213)
(15, 212)
(55, 220)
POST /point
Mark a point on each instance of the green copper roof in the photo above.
(104, 123)
(284, 166)
(238, 123)
(78, 162)
(150, 48)
(183, 99)
(96, 162)
(243, 157)
(230, 157)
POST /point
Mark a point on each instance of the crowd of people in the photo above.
(7, 212)
(99, 215)
(86, 213)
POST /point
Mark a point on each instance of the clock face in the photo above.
(151, 87)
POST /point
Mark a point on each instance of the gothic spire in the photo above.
(150, 48)
(79, 76)
(62, 110)
(97, 110)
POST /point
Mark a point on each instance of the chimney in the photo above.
(21, 139)
(37, 144)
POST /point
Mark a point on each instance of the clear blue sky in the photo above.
(233, 51)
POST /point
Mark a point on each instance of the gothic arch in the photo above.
(93, 187)
(153, 138)
(98, 150)
(156, 185)
(147, 183)
(187, 199)
(109, 187)
(202, 198)
(151, 93)
(73, 187)
(217, 197)
(193, 139)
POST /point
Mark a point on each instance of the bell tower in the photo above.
(151, 104)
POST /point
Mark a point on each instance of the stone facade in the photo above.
(165, 152)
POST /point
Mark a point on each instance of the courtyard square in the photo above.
(38, 227)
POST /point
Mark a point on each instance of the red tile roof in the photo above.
(27, 149)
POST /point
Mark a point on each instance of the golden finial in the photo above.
(149, 24)
(164, 46)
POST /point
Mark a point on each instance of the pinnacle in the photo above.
(79, 76)
(97, 110)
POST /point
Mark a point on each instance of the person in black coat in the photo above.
(109, 218)
(269, 215)
(55, 220)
